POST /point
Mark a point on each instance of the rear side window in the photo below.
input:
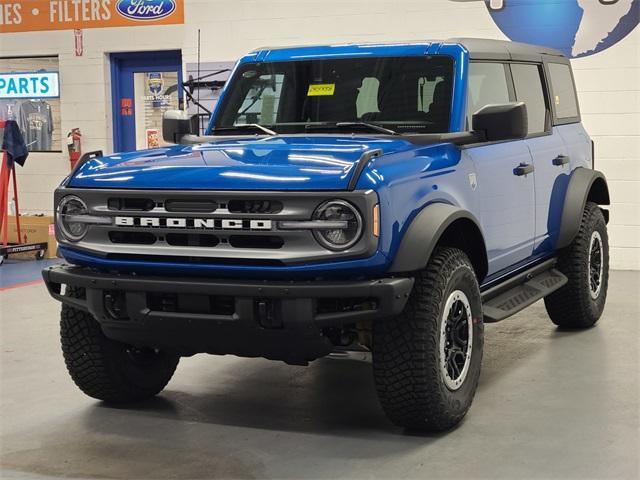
(564, 94)
(527, 81)
(487, 85)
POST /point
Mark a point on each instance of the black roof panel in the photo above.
(488, 49)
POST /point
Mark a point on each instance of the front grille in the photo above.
(217, 227)
(255, 206)
(132, 238)
(131, 204)
(255, 241)
(191, 206)
(192, 240)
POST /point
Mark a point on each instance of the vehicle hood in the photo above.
(297, 162)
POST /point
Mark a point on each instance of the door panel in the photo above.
(507, 202)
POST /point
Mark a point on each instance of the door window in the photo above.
(564, 93)
(487, 85)
(155, 93)
(527, 80)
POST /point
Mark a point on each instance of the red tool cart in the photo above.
(8, 173)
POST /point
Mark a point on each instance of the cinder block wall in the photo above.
(608, 82)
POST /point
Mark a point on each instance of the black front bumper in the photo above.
(276, 320)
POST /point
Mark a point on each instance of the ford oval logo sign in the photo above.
(146, 9)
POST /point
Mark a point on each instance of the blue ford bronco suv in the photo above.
(383, 198)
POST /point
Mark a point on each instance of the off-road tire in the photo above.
(406, 348)
(572, 306)
(105, 369)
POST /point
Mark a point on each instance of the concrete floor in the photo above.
(551, 404)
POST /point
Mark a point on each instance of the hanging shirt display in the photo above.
(30, 95)
(36, 122)
(9, 110)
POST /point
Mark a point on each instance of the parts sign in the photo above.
(29, 85)
(36, 15)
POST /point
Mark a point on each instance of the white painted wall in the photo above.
(608, 82)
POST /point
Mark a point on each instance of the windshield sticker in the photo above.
(321, 90)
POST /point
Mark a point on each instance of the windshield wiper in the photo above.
(245, 126)
(371, 126)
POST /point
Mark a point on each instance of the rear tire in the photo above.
(109, 370)
(579, 304)
(426, 360)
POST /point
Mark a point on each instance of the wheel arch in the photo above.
(441, 224)
(585, 185)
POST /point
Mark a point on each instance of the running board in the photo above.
(522, 291)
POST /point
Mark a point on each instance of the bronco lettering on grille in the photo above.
(194, 223)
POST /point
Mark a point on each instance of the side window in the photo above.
(564, 94)
(487, 85)
(260, 104)
(527, 81)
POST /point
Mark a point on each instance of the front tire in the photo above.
(426, 360)
(579, 304)
(109, 370)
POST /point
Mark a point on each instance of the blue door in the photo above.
(549, 152)
(144, 85)
(507, 196)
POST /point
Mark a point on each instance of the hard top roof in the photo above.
(478, 48)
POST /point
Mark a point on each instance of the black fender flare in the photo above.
(584, 185)
(427, 229)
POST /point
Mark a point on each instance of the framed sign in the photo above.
(38, 15)
(29, 85)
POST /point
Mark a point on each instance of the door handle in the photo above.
(523, 169)
(561, 160)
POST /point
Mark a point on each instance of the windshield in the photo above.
(401, 94)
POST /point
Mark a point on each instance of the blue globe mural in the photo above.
(576, 27)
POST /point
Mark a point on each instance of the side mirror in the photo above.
(176, 124)
(506, 121)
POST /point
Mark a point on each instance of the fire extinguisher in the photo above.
(74, 144)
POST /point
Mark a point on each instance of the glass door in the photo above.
(144, 86)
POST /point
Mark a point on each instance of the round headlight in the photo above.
(338, 238)
(69, 208)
